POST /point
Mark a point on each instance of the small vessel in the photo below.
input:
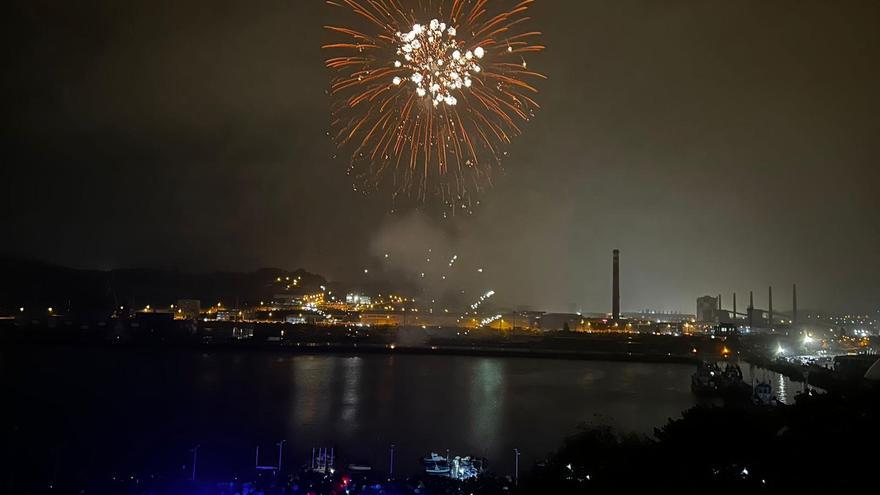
(434, 457)
(436, 465)
(705, 380)
(731, 385)
(763, 395)
(465, 468)
(732, 373)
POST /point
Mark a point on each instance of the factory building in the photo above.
(707, 309)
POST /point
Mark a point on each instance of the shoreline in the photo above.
(303, 348)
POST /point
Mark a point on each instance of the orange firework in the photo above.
(427, 94)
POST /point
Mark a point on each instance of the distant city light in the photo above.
(488, 321)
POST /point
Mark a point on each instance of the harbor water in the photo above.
(99, 412)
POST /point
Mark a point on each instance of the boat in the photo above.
(763, 395)
(459, 467)
(705, 380)
(436, 465)
(434, 457)
(465, 468)
(732, 373)
(731, 385)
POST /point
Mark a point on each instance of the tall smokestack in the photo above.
(719, 303)
(734, 306)
(770, 302)
(751, 310)
(615, 296)
(794, 303)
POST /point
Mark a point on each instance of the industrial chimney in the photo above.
(751, 310)
(794, 304)
(770, 301)
(615, 296)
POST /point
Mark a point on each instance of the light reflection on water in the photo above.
(311, 375)
(781, 389)
(350, 394)
(784, 389)
(487, 398)
(230, 401)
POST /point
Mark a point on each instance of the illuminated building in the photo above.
(381, 319)
(552, 322)
(358, 300)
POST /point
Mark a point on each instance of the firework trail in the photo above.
(428, 93)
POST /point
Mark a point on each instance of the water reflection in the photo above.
(781, 389)
(311, 375)
(487, 401)
(351, 376)
(360, 405)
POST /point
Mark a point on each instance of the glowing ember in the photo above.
(437, 65)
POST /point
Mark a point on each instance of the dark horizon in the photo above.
(722, 147)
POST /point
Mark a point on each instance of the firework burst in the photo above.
(428, 93)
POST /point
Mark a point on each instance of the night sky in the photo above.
(721, 145)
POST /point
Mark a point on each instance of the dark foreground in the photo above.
(814, 445)
(821, 444)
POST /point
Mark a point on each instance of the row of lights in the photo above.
(21, 309)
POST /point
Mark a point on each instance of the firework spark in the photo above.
(426, 97)
(482, 299)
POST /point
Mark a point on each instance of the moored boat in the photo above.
(763, 395)
(731, 385)
(705, 380)
(436, 465)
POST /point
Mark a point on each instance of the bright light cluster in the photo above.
(433, 56)
(482, 299)
(488, 321)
